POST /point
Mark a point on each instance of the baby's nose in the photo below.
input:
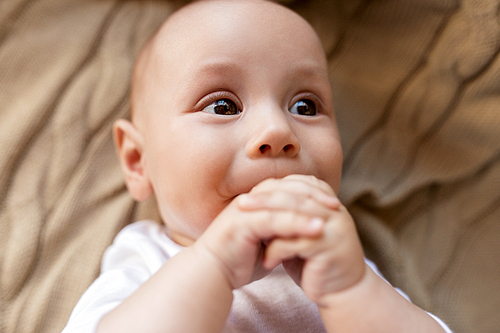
(273, 137)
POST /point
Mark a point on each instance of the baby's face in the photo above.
(234, 95)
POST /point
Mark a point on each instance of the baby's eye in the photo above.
(223, 106)
(304, 107)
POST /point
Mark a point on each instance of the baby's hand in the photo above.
(321, 264)
(236, 239)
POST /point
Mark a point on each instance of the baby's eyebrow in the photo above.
(307, 70)
(213, 71)
(214, 67)
(298, 70)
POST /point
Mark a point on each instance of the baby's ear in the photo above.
(129, 145)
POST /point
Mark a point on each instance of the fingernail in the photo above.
(333, 202)
(316, 223)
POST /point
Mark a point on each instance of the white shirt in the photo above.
(272, 304)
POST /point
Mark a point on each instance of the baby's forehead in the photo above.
(202, 21)
(214, 29)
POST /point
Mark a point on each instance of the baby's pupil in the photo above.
(225, 107)
(306, 107)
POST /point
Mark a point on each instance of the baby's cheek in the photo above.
(197, 215)
(329, 164)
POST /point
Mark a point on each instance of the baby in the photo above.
(233, 131)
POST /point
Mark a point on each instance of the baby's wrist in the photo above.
(350, 292)
(212, 262)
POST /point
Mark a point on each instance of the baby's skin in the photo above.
(233, 131)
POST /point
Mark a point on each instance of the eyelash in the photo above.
(220, 95)
(311, 97)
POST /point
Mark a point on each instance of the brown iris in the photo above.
(225, 107)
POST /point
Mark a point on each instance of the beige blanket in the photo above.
(417, 95)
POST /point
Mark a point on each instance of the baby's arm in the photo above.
(185, 295)
(330, 268)
(192, 292)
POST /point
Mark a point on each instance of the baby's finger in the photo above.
(300, 185)
(281, 200)
(268, 224)
(339, 238)
(285, 249)
(298, 180)
(312, 181)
